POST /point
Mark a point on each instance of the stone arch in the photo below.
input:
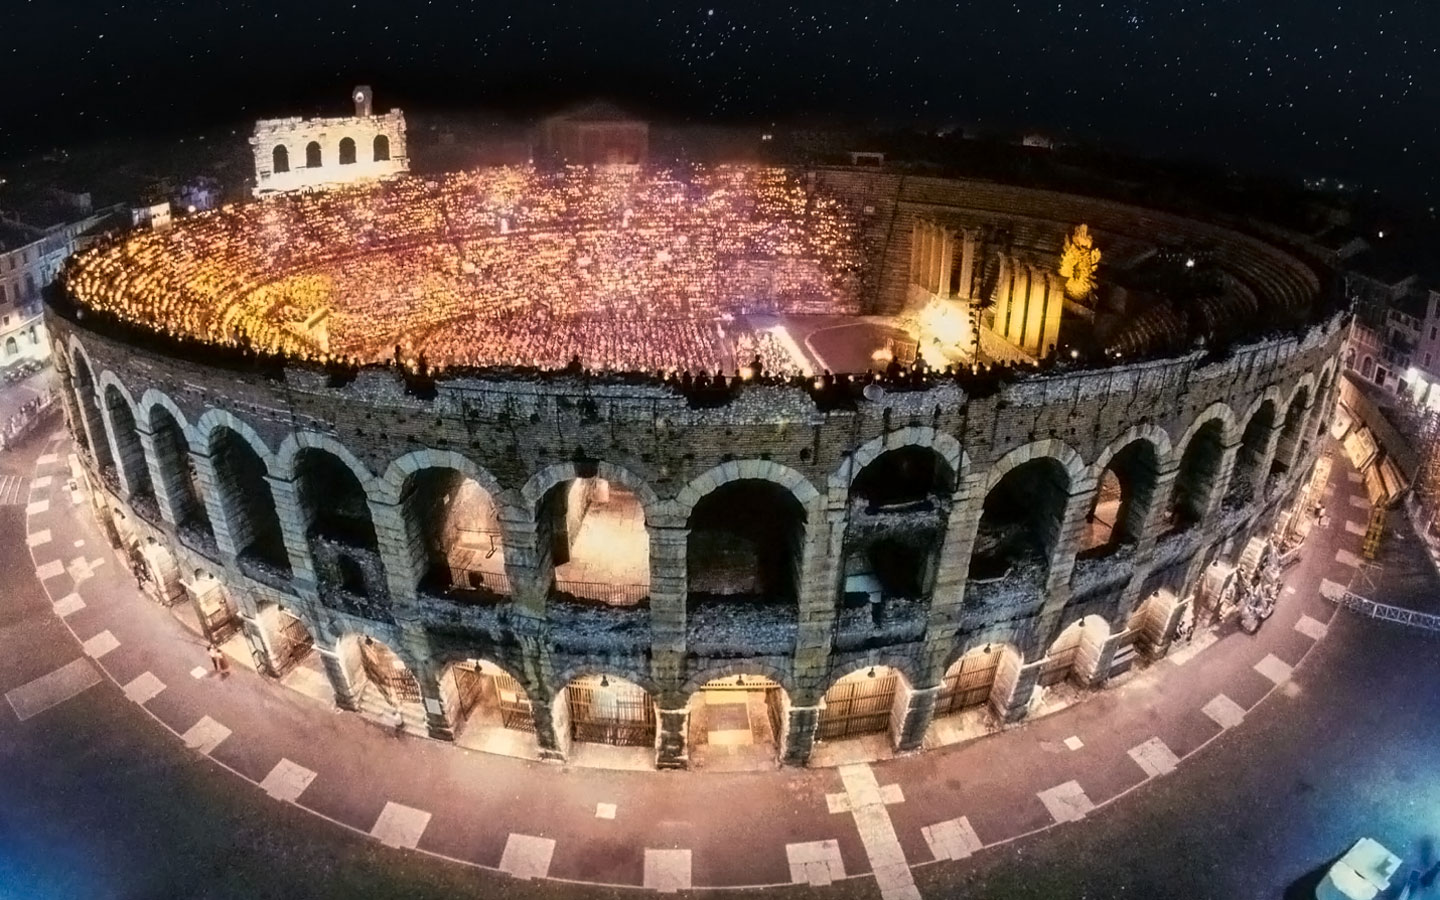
(699, 678)
(1073, 649)
(390, 486)
(118, 408)
(314, 440)
(1256, 451)
(1293, 422)
(1367, 367)
(1125, 475)
(279, 159)
(748, 469)
(1230, 431)
(380, 148)
(313, 157)
(944, 445)
(1004, 633)
(214, 419)
(172, 467)
(897, 661)
(1158, 438)
(853, 705)
(12, 346)
(154, 397)
(1020, 519)
(1068, 458)
(347, 151)
(542, 481)
(364, 657)
(592, 667)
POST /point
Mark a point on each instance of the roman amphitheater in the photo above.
(588, 464)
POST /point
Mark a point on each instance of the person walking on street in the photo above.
(218, 660)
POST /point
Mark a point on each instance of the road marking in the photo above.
(1226, 712)
(144, 687)
(1360, 502)
(40, 483)
(1074, 742)
(38, 538)
(10, 488)
(667, 871)
(815, 863)
(1154, 757)
(1346, 558)
(400, 826)
(1354, 527)
(50, 569)
(604, 810)
(866, 803)
(198, 672)
(1331, 590)
(47, 459)
(100, 644)
(1066, 802)
(287, 781)
(48, 690)
(81, 569)
(529, 857)
(38, 507)
(1274, 668)
(951, 839)
(1311, 628)
(68, 605)
(1355, 477)
(205, 735)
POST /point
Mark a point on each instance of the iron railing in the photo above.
(610, 594)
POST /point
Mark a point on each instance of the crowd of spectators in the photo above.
(628, 270)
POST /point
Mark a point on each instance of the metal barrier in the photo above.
(1399, 614)
(611, 594)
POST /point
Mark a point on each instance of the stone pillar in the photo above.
(96, 433)
(1013, 687)
(1267, 459)
(1157, 629)
(295, 527)
(347, 691)
(225, 521)
(401, 553)
(1221, 485)
(1001, 322)
(166, 472)
(438, 721)
(1095, 656)
(911, 717)
(529, 587)
(800, 728)
(552, 726)
(947, 599)
(947, 262)
(129, 457)
(672, 746)
(1019, 291)
(1062, 557)
(967, 265)
(1054, 303)
(668, 591)
(260, 647)
(1035, 313)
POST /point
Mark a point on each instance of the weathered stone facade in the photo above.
(297, 153)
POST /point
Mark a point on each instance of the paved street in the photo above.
(1285, 747)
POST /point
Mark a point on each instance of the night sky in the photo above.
(1346, 89)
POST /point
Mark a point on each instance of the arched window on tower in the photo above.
(347, 151)
(312, 155)
(280, 159)
(382, 148)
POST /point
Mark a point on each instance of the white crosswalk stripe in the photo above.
(12, 490)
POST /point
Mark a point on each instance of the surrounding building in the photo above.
(309, 153)
(595, 135)
(30, 258)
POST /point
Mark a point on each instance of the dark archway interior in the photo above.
(746, 540)
(1248, 480)
(347, 151)
(280, 159)
(1122, 499)
(1021, 520)
(593, 532)
(382, 148)
(312, 155)
(1292, 432)
(455, 521)
(1195, 479)
(173, 453)
(902, 477)
(333, 500)
(85, 391)
(255, 525)
(127, 443)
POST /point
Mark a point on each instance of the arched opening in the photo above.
(1367, 367)
(127, 444)
(219, 622)
(595, 533)
(1248, 481)
(457, 523)
(279, 159)
(94, 430)
(12, 347)
(490, 709)
(177, 470)
(291, 652)
(312, 155)
(606, 710)
(745, 543)
(905, 477)
(1020, 523)
(962, 706)
(383, 684)
(339, 527)
(347, 151)
(1195, 479)
(1073, 654)
(867, 704)
(157, 571)
(249, 507)
(1122, 500)
(382, 148)
(1293, 440)
(737, 723)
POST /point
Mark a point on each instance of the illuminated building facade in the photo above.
(309, 153)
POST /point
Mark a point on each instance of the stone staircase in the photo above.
(375, 706)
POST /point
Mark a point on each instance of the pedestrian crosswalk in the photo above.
(12, 490)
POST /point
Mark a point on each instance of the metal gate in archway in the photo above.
(968, 684)
(621, 714)
(292, 642)
(388, 672)
(857, 707)
(1060, 662)
(474, 686)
